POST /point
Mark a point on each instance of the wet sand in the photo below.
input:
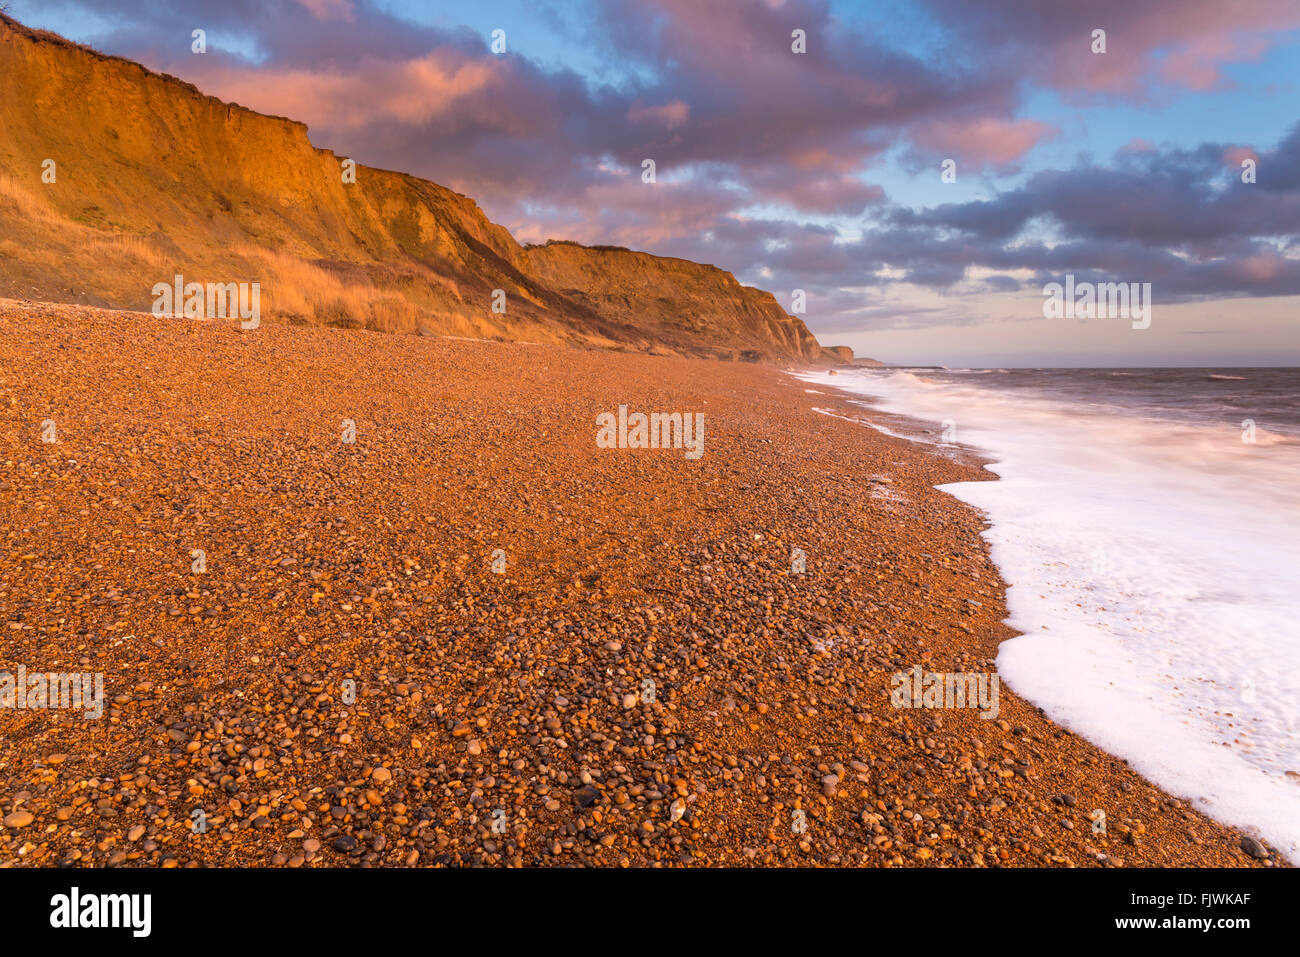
(502, 717)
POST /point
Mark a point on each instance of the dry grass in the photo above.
(293, 289)
(29, 205)
(140, 249)
(296, 290)
(50, 244)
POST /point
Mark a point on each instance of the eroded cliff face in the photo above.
(677, 304)
(152, 178)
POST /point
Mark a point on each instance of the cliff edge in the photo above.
(114, 178)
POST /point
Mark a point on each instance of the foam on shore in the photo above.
(1151, 568)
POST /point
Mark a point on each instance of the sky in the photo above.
(822, 170)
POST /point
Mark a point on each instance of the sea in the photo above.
(1147, 523)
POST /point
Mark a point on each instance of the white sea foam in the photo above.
(875, 425)
(1153, 570)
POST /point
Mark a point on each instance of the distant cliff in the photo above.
(676, 304)
(152, 178)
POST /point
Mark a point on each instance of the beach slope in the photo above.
(359, 597)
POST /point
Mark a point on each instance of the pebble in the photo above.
(1254, 848)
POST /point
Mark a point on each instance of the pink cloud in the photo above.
(829, 194)
(982, 141)
(1234, 155)
(1182, 44)
(1260, 267)
(329, 9)
(416, 91)
(670, 115)
(1196, 65)
(628, 212)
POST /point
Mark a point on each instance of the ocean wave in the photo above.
(1143, 555)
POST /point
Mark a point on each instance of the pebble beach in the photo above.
(362, 599)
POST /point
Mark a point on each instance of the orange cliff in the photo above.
(153, 178)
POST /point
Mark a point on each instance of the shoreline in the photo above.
(522, 692)
(1049, 559)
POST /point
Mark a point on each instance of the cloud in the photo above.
(1184, 44)
(671, 115)
(981, 141)
(330, 9)
(429, 91)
